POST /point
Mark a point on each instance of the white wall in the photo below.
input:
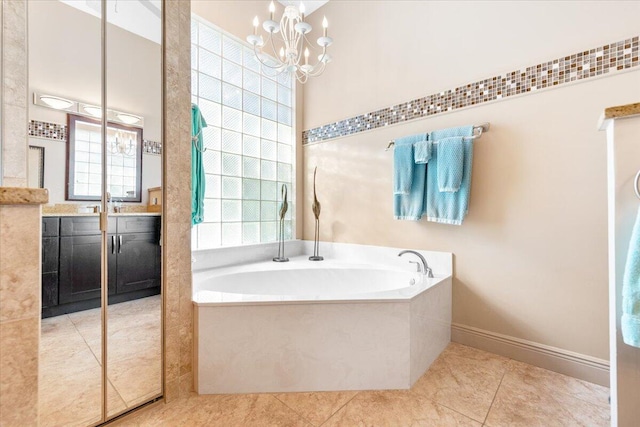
(64, 60)
(530, 259)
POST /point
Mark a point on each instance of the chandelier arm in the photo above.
(262, 63)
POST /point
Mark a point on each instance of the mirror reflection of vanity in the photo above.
(93, 370)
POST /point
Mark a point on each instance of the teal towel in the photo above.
(631, 290)
(402, 168)
(450, 163)
(422, 152)
(197, 168)
(410, 206)
(445, 207)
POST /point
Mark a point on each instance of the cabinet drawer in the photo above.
(83, 226)
(138, 224)
(50, 226)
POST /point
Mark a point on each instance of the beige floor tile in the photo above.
(142, 340)
(56, 326)
(136, 377)
(73, 400)
(396, 408)
(537, 379)
(519, 403)
(316, 407)
(463, 379)
(243, 410)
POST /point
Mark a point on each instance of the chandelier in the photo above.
(123, 143)
(294, 47)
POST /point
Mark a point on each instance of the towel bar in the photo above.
(635, 185)
(480, 129)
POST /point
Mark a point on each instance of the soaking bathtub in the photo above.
(362, 319)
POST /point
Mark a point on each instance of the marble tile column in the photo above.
(178, 321)
(20, 259)
(13, 132)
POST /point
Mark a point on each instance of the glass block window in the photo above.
(250, 148)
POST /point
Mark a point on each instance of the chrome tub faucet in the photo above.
(424, 268)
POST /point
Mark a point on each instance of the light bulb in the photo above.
(282, 53)
(306, 55)
(272, 9)
(256, 22)
(302, 10)
(325, 25)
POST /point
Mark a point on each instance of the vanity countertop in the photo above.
(23, 196)
(95, 214)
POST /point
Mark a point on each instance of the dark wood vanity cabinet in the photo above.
(50, 251)
(133, 247)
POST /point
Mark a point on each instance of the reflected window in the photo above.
(124, 160)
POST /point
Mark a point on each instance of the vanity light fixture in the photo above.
(84, 109)
(129, 119)
(91, 110)
(293, 54)
(53, 102)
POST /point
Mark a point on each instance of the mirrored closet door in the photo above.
(134, 129)
(100, 352)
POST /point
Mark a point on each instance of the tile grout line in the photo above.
(338, 410)
(494, 397)
(294, 411)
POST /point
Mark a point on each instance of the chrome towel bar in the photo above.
(477, 130)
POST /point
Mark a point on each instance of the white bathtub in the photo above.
(360, 320)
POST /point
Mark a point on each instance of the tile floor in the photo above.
(70, 368)
(463, 387)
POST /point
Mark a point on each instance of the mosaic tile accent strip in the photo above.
(151, 147)
(48, 130)
(602, 60)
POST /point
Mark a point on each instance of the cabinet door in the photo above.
(79, 268)
(50, 254)
(138, 262)
(79, 275)
(49, 289)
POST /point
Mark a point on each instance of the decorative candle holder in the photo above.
(283, 210)
(315, 207)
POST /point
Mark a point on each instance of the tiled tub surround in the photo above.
(599, 61)
(351, 322)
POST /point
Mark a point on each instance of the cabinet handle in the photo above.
(113, 244)
(120, 244)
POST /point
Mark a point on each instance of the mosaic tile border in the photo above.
(58, 132)
(595, 62)
(47, 130)
(151, 147)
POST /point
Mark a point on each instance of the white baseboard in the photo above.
(555, 359)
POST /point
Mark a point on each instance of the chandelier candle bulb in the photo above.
(272, 9)
(325, 25)
(256, 22)
(302, 10)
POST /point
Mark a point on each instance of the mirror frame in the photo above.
(70, 171)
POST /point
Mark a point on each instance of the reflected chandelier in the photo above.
(294, 45)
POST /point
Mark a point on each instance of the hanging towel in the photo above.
(402, 168)
(409, 206)
(197, 168)
(450, 163)
(422, 152)
(444, 207)
(631, 290)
